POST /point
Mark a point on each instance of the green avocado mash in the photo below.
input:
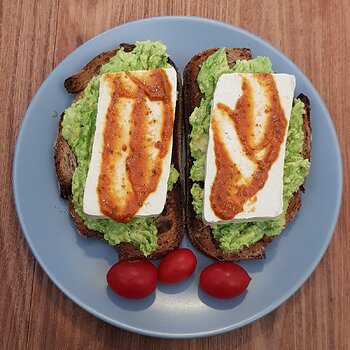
(78, 128)
(173, 177)
(234, 237)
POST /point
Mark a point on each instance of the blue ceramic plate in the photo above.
(78, 266)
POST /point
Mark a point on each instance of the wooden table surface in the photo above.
(36, 36)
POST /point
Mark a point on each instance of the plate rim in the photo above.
(308, 272)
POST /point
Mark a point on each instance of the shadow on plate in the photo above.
(95, 248)
(130, 304)
(220, 304)
(254, 266)
(176, 287)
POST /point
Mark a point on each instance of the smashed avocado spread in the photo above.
(233, 237)
(78, 128)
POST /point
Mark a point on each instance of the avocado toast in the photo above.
(141, 236)
(246, 240)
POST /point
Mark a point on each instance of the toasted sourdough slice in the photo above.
(200, 234)
(170, 223)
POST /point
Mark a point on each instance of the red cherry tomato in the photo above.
(224, 280)
(133, 278)
(177, 266)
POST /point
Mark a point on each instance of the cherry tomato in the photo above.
(177, 266)
(133, 278)
(224, 280)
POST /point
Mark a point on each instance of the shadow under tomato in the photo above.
(220, 304)
(131, 304)
(174, 288)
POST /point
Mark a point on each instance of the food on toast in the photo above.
(233, 211)
(140, 212)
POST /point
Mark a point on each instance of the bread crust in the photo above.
(170, 223)
(200, 234)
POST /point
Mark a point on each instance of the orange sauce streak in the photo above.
(227, 197)
(143, 171)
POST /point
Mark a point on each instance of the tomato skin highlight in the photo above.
(177, 266)
(224, 280)
(133, 278)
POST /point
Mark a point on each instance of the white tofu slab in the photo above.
(155, 202)
(269, 201)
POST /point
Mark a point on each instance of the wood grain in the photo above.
(35, 36)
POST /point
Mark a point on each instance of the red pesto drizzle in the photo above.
(143, 172)
(227, 197)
